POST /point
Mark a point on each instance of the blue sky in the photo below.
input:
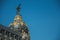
(43, 15)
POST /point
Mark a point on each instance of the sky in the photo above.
(41, 16)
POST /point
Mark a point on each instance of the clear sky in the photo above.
(41, 16)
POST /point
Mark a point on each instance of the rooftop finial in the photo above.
(18, 9)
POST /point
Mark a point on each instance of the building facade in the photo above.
(8, 34)
(17, 29)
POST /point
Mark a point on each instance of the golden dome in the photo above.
(18, 17)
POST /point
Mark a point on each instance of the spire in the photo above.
(18, 9)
